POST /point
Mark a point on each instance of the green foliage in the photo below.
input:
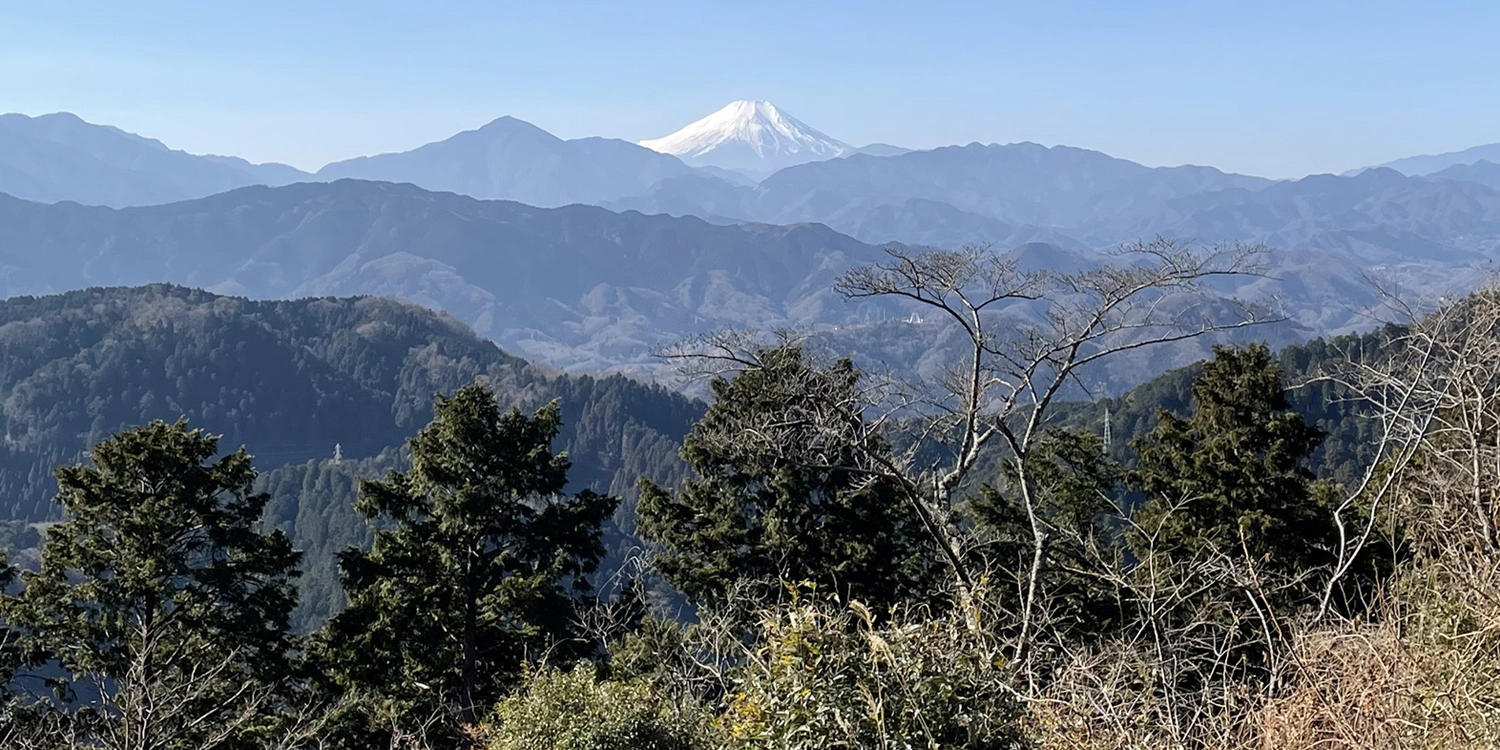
(477, 558)
(314, 503)
(10, 655)
(575, 710)
(1075, 486)
(827, 678)
(168, 581)
(286, 379)
(289, 380)
(789, 506)
(1349, 440)
(160, 586)
(1233, 476)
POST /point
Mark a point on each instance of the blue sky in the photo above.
(1269, 87)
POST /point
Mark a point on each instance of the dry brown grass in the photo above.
(1427, 677)
(1423, 675)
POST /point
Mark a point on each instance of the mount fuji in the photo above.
(751, 137)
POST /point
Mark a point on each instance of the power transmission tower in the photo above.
(1108, 429)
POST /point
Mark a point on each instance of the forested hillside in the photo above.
(1312, 371)
(294, 382)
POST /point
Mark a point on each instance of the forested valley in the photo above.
(353, 523)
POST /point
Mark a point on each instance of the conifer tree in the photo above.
(1232, 476)
(161, 593)
(778, 492)
(477, 561)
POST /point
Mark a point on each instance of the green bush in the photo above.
(577, 711)
(826, 677)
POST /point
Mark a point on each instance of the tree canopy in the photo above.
(478, 558)
(161, 582)
(794, 507)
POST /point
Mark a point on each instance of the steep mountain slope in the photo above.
(578, 286)
(509, 159)
(754, 137)
(288, 379)
(59, 157)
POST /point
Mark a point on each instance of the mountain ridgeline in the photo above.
(509, 159)
(581, 288)
(577, 287)
(1007, 194)
(59, 157)
(370, 457)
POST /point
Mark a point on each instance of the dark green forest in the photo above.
(291, 382)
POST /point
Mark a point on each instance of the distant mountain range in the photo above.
(1482, 172)
(585, 255)
(685, 248)
(976, 193)
(587, 289)
(577, 287)
(60, 157)
(1003, 194)
(509, 159)
(1430, 164)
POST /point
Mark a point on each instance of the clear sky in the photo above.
(1269, 87)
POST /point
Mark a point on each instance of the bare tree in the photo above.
(1201, 651)
(151, 707)
(1431, 392)
(1457, 389)
(1421, 671)
(1028, 335)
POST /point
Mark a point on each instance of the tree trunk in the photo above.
(471, 624)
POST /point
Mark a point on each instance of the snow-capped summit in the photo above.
(753, 137)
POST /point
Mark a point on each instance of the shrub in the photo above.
(1425, 677)
(577, 711)
(831, 677)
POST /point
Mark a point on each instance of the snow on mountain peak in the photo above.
(749, 136)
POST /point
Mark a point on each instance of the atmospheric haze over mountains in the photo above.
(740, 219)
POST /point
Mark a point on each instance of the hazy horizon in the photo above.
(1274, 89)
